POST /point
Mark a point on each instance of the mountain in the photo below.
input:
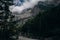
(32, 12)
(44, 25)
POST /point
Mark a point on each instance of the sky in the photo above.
(20, 5)
(18, 2)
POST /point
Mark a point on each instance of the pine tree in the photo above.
(7, 24)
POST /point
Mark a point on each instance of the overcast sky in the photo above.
(20, 5)
(25, 5)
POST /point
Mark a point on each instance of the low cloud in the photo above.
(26, 5)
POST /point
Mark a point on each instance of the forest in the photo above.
(45, 24)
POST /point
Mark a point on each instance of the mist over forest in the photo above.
(29, 19)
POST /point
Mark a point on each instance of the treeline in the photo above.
(8, 27)
(46, 24)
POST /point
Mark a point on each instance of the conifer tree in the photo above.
(7, 24)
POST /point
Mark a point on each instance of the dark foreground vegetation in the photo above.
(45, 25)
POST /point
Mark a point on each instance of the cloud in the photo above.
(26, 5)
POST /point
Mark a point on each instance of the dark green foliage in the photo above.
(46, 24)
(7, 24)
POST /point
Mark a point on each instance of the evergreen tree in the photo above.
(7, 24)
(45, 25)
